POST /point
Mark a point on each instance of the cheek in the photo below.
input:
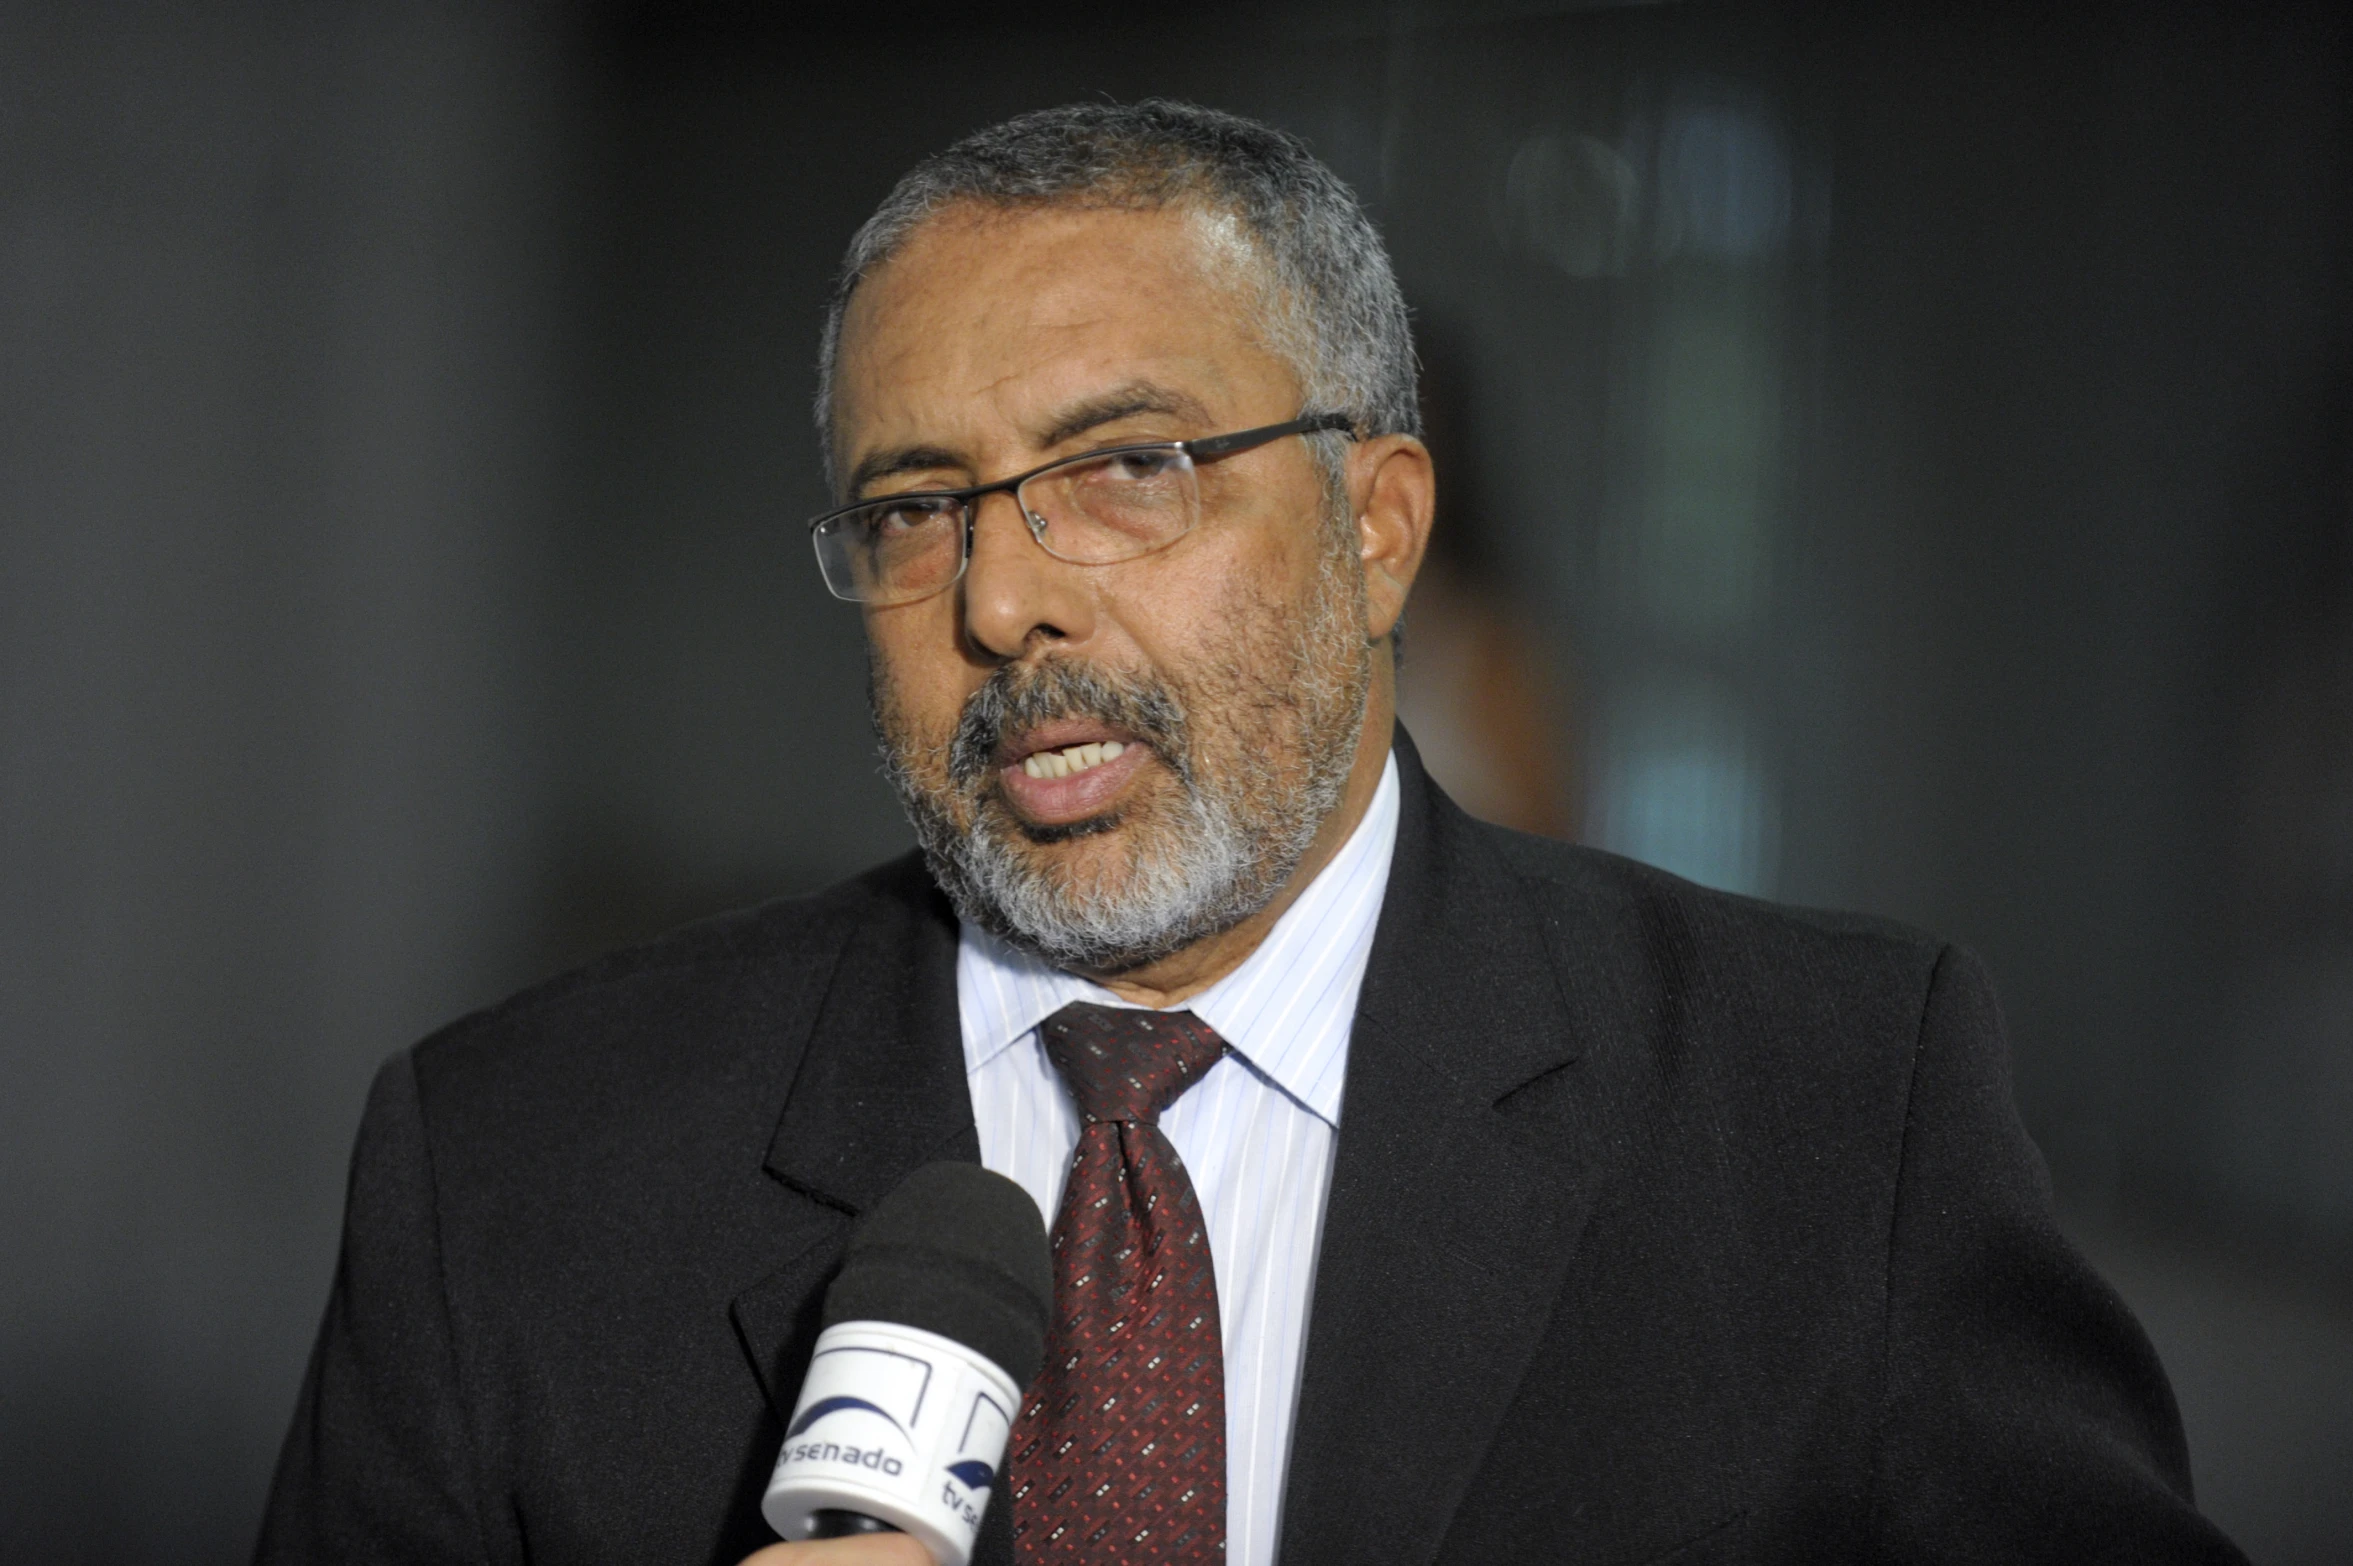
(916, 670)
(1220, 588)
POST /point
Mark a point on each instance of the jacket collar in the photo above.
(1456, 1200)
(881, 1087)
(880, 1090)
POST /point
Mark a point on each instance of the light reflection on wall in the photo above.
(1681, 785)
(1678, 775)
(1572, 199)
(1699, 555)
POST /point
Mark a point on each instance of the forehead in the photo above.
(987, 314)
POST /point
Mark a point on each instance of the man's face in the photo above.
(1105, 763)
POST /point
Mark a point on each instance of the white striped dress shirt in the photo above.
(1256, 1133)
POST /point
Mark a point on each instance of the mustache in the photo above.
(1015, 699)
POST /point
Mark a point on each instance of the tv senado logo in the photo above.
(873, 1457)
(834, 1405)
(876, 1458)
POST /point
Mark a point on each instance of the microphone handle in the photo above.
(834, 1522)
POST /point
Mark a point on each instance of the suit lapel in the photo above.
(1451, 1222)
(880, 1090)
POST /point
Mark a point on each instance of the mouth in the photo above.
(1065, 772)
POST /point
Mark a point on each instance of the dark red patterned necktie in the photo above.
(1120, 1451)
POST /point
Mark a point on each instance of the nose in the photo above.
(1015, 594)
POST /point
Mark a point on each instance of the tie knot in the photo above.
(1124, 1064)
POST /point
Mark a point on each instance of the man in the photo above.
(1527, 1204)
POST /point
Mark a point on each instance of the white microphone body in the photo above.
(897, 1424)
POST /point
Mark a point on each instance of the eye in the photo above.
(899, 516)
(1140, 467)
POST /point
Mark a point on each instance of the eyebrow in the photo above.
(900, 459)
(1121, 402)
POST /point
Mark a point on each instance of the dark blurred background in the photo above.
(1899, 461)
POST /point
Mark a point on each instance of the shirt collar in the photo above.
(1286, 1010)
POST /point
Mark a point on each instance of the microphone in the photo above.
(933, 1329)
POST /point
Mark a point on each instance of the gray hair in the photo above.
(1334, 310)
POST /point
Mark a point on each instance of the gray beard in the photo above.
(1196, 865)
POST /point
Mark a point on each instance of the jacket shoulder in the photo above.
(700, 1001)
(1614, 901)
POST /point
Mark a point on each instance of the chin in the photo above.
(1047, 835)
(1089, 861)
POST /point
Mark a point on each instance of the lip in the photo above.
(1061, 734)
(1062, 801)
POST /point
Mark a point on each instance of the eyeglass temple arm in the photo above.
(1243, 440)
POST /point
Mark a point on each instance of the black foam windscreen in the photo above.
(959, 1251)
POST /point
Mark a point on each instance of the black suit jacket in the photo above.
(1664, 1225)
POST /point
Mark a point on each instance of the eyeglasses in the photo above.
(1098, 508)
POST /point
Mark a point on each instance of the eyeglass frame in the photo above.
(1206, 448)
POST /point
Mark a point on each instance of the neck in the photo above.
(1185, 973)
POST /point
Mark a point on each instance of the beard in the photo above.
(1255, 743)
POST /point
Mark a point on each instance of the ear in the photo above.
(1395, 493)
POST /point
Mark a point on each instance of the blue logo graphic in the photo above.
(976, 1475)
(834, 1405)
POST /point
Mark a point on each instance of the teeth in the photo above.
(1072, 759)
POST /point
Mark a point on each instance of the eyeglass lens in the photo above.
(1089, 511)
